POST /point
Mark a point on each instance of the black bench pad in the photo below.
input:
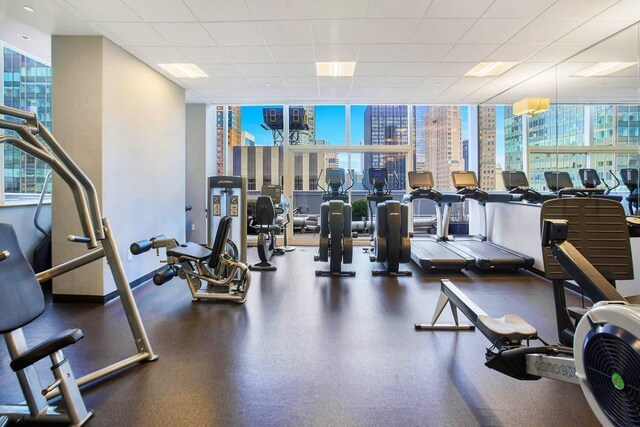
(190, 250)
(45, 348)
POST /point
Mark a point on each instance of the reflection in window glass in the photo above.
(441, 141)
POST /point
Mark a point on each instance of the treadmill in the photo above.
(429, 251)
(487, 256)
(517, 185)
(561, 184)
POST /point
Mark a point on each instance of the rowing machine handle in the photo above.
(163, 276)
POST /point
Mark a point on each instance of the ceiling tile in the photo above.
(586, 9)
(395, 93)
(334, 81)
(373, 68)
(303, 92)
(278, 9)
(184, 34)
(515, 52)
(293, 53)
(208, 93)
(365, 92)
(103, 11)
(402, 82)
(160, 55)
(441, 30)
(219, 10)
(469, 52)
(412, 69)
(557, 52)
(389, 30)
(457, 8)
(220, 70)
(135, 34)
(517, 9)
(233, 82)
(334, 92)
(336, 52)
(380, 53)
(297, 82)
(248, 54)
(338, 31)
(330, 9)
(397, 8)
(162, 10)
(369, 81)
(286, 32)
(437, 83)
(235, 33)
(451, 69)
(596, 29)
(205, 55)
(423, 52)
(298, 69)
(259, 70)
(545, 30)
(264, 82)
(493, 30)
(205, 83)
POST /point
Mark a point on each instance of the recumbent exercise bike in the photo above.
(390, 241)
(218, 267)
(336, 239)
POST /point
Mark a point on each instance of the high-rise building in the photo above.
(419, 114)
(487, 147)
(248, 139)
(443, 143)
(308, 137)
(386, 125)
(513, 141)
(611, 125)
(235, 133)
(26, 86)
(465, 154)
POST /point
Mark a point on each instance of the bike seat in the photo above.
(192, 251)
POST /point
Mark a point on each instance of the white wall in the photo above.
(200, 164)
(125, 125)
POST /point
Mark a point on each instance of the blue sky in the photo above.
(330, 126)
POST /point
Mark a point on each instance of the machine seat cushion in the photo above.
(511, 326)
(45, 348)
(191, 251)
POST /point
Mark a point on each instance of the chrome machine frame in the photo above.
(97, 235)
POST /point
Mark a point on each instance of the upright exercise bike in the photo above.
(390, 240)
(264, 219)
(336, 240)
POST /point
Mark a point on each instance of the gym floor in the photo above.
(311, 351)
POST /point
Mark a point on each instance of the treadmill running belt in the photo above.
(488, 256)
(430, 255)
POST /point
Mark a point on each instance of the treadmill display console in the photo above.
(629, 176)
(420, 180)
(556, 181)
(514, 179)
(464, 179)
(273, 191)
(377, 176)
(589, 178)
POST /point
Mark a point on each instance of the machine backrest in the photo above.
(274, 191)
(265, 212)
(420, 180)
(222, 235)
(514, 179)
(598, 229)
(462, 179)
(21, 298)
(558, 180)
(589, 178)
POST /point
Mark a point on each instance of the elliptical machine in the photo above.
(390, 240)
(336, 240)
(631, 180)
(264, 219)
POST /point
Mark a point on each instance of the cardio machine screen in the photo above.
(629, 176)
(420, 180)
(464, 179)
(335, 176)
(514, 179)
(273, 191)
(558, 180)
(589, 177)
(377, 176)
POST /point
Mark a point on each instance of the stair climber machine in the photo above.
(517, 184)
(429, 251)
(336, 239)
(391, 244)
(487, 255)
(604, 355)
(264, 220)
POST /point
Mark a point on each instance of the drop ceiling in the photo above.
(411, 51)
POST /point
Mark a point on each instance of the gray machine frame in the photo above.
(97, 235)
(227, 196)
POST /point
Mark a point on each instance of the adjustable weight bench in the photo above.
(21, 302)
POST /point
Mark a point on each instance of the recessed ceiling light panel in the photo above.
(184, 71)
(335, 69)
(490, 69)
(28, 8)
(604, 69)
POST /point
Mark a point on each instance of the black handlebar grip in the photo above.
(140, 247)
(163, 276)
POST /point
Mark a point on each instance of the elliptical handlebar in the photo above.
(610, 189)
(318, 181)
(351, 178)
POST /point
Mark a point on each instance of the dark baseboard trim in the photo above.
(97, 299)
